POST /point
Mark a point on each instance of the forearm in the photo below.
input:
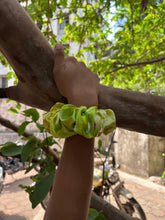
(71, 192)
(74, 178)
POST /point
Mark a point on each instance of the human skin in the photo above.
(70, 197)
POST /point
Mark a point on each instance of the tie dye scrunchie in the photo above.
(66, 120)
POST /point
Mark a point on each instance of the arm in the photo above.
(73, 180)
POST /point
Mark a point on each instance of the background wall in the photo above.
(140, 154)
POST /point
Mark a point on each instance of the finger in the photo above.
(97, 77)
(71, 59)
(82, 64)
(58, 55)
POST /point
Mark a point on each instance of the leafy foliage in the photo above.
(33, 113)
(41, 189)
(101, 150)
(95, 215)
(22, 127)
(30, 150)
(10, 149)
(125, 39)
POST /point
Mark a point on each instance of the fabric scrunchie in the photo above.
(66, 120)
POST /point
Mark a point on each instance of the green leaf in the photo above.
(28, 148)
(49, 13)
(103, 152)
(49, 141)
(99, 143)
(95, 215)
(30, 168)
(163, 176)
(13, 110)
(18, 106)
(92, 215)
(22, 127)
(101, 217)
(32, 112)
(40, 127)
(63, 3)
(28, 189)
(11, 149)
(41, 189)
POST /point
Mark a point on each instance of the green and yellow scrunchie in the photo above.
(66, 120)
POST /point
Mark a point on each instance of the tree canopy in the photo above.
(126, 38)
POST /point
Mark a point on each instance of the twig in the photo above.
(125, 65)
(15, 127)
(150, 50)
(132, 14)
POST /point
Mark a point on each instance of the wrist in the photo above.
(83, 100)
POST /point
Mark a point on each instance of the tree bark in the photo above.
(104, 207)
(31, 57)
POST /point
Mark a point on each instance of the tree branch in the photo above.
(144, 4)
(143, 63)
(8, 124)
(103, 207)
(33, 64)
(151, 50)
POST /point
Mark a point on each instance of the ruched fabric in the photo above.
(66, 120)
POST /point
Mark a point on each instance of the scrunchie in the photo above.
(66, 120)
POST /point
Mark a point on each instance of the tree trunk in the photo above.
(31, 57)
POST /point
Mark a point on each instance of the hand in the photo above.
(74, 80)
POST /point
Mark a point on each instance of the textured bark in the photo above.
(104, 207)
(31, 57)
(135, 111)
